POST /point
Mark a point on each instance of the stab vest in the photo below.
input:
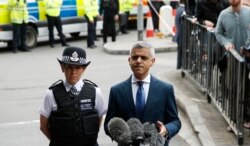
(75, 122)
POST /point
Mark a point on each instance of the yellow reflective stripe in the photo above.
(79, 7)
(41, 10)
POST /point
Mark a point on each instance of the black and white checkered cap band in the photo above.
(74, 60)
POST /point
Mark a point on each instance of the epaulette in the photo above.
(90, 82)
(56, 83)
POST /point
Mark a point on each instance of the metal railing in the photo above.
(226, 88)
(194, 56)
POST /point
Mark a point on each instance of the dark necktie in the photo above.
(140, 100)
(73, 91)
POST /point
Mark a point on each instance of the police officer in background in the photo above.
(125, 7)
(72, 110)
(53, 8)
(91, 8)
(19, 18)
(110, 10)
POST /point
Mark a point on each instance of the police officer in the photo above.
(19, 19)
(91, 8)
(72, 110)
(125, 7)
(53, 8)
(110, 11)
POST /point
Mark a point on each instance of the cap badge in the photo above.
(74, 57)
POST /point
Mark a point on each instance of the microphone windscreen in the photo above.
(151, 134)
(119, 130)
(136, 128)
(160, 140)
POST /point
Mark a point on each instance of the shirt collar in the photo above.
(78, 85)
(145, 80)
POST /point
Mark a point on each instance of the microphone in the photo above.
(120, 131)
(150, 134)
(136, 128)
(152, 137)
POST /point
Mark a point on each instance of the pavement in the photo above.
(202, 123)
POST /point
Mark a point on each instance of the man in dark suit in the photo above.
(158, 104)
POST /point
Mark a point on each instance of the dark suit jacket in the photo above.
(160, 105)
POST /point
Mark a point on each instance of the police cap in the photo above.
(75, 56)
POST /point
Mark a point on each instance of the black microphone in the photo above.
(119, 131)
(152, 137)
(136, 128)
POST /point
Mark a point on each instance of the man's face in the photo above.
(140, 62)
(234, 3)
(72, 73)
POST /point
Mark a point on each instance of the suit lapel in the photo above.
(128, 95)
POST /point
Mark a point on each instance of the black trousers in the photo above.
(124, 25)
(55, 21)
(157, 5)
(109, 27)
(19, 38)
(91, 32)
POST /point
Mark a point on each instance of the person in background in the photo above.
(154, 6)
(91, 8)
(143, 96)
(190, 7)
(232, 33)
(125, 7)
(232, 25)
(72, 109)
(53, 9)
(19, 17)
(110, 10)
(180, 12)
(209, 10)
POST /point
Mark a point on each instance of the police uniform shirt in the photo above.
(49, 103)
(146, 83)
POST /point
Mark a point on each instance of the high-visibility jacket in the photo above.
(128, 5)
(91, 8)
(125, 5)
(121, 6)
(53, 7)
(18, 11)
